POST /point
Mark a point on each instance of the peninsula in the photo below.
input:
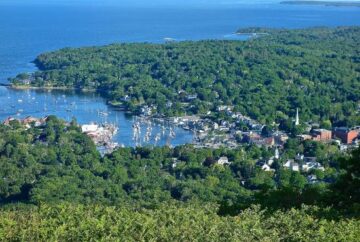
(265, 78)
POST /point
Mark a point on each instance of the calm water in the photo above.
(26, 32)
(85, 108)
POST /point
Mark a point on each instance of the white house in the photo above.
(89, 128)
(223, 161)
(290, 164)
(270, 161)
(312, 165)
(266, 167)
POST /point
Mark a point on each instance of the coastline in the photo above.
(26, 87)
(50, 88)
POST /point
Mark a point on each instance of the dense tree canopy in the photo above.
(136, 192)
(55, 162)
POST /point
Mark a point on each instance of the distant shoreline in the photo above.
(23, 87)
(324, 3)
(84, 90)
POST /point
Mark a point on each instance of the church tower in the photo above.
(297, 120)
(277, 155)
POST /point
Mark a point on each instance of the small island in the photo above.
(324, 3)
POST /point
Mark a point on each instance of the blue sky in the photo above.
(141, 2)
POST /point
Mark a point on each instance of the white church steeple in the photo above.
(277, 155)
(297, 120)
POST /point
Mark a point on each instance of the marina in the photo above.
(91, 108)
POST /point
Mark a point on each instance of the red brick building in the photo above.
(346, 135)
(321, 135)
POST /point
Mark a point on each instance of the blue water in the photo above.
(26, 31)
(85, 108)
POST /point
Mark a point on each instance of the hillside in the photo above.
(56, 186)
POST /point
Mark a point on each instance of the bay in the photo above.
(26, 31)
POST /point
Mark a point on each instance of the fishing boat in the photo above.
(103, 113)
(157, 138)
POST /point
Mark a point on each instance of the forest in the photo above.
(55, 185)
(266, 77)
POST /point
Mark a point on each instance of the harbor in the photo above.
(88, 108)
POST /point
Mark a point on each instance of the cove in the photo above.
(86, 108)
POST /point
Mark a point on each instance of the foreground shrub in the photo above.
(170, 223)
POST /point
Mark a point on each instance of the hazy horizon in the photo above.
(146, 3)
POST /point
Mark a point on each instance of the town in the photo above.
(233, 132)
(242, 129)
(238, 130)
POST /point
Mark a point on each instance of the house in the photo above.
(191, 97)
(292, 165)
(312, 165)
(223, 161)
(31, 120)
(346, 135)
(312, 179)
(8, 120)
(88, 128)
(280, 138)
(268, 142)
(343, 147)
(225, 108)
(270, 161)
(266, 167)
(304, 137)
